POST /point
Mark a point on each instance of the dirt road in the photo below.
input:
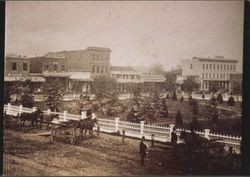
(30, 154)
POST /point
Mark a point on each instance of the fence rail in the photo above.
(137, 130)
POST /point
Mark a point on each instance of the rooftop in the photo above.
(121, 68)
(216, 58)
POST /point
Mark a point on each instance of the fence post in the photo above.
(142, 127)
(34, 109)
(171, 126)
(117, 119)
(8, 108)
(207, 133)
(64, 115)
(152, 140)
(20, 109)
(93, 116)
(48, 111)
(98, 130)
(123, 136)
(83, 114)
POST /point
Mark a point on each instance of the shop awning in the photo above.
(81, 76)
(18, 78)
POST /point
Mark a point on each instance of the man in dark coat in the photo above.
(143, 150)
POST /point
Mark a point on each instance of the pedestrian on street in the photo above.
(143, 150)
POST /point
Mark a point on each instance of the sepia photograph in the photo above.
(129, 88)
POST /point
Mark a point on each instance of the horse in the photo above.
(48, 118)
(32, 117)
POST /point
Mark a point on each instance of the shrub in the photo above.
(181, 99)
(215, 117)
(174, 97)
(195, 107)
(203, 95)
(190, 100)
(231, 101)
(27, 101)
(195, 125)
(213, 100)
(220, 98)
(178, 118)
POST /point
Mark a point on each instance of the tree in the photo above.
(215, 116)
(158, 69)
(220, 98)
(189, 84)
(195, 107)
(213, 100)
(178, 118)
(174, 97)
(203, 95)
(236, 88)
(104, 87)
(54, 93)
(182, 98)
(170, 81)
(231, 101)
(164, 108)
(195, 125)
(213, 87)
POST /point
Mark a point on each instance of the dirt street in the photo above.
(31, 154)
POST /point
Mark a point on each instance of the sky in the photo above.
(141, 33)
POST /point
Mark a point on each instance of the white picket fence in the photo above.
(136, 130)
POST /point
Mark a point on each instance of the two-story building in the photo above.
(209, 70)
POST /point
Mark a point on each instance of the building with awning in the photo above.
(80, 81)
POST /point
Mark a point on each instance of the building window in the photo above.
(221, 66)
(210, 66)
(63, 68)
(231, 67)
(218, 67)
(25, 67)
(101, 69)
(214, 66)
(209, 75)
(227, 67)
(47, 67)
(224, 76)
(55, 67)
(202, 75)
(217, 75)
(93, 57)
(93, 69)
(97, 57)
(191, 66)
(203, 66)
(224, 67)
(13, 66)
(206, 66)
(206, 75)
(213, 75)
(97, 69)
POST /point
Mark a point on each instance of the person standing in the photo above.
(143, 150)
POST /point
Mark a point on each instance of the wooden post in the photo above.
(34, 109)
(207, 133)
(8, 108)
(20, 109)
(152, 140)
(117, 124)
(48, 111)
(52, 132)
(64, 115)
(98, 130)
(123, 136)
(171, 130)
(142, 127)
